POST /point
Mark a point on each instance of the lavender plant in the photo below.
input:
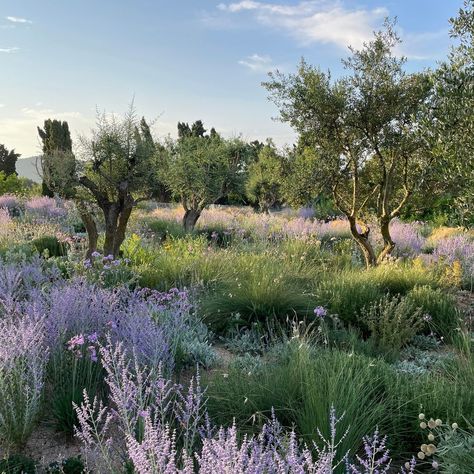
(140, 399)
(457, 249)
(163, 429)
(44, 208)
(23, 358)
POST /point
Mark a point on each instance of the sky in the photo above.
(184, 60)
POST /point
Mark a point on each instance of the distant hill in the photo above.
(26, 167)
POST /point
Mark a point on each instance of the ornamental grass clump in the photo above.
(23, 358)
(71, 371)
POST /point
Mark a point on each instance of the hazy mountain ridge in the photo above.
(26, 167)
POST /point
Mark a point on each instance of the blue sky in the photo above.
(184, 59)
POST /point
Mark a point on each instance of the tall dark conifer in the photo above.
(55, 137)
(8, 160)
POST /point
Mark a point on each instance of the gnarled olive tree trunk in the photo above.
(190, 218)
(91, 229)
(116, 217)
(362, 239)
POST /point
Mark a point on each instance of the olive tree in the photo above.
(263, 186)
(200, 170)
(112, 170)
(363, 129)
(450, 123)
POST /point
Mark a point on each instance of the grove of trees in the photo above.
(378, 142)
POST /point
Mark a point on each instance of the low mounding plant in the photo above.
(440, 306)
(11, 204)
(67, 466)
(393, 321)
(23, 357)
(108, 271)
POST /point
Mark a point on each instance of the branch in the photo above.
(93, 188)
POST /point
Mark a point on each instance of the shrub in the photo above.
(12, 204)
(407, 237)
(50, 246)
(23, 355)
(457, 250)
(107, 271)
(392, 322)
(44, 208)
(439, 305)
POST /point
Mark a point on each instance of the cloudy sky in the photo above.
(184, 59)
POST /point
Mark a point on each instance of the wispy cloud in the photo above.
(257, 63)
(425, 46)
(9, 50)
(16, 19)
(317, 21)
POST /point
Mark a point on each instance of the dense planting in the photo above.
(167, 307)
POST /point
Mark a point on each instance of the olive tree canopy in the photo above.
(363, 130)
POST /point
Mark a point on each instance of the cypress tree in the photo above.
(55, 137)
(8, 160)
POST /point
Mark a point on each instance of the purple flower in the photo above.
(92, 353)
(320, 312)
(75, 341)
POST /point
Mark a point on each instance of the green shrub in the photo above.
(17, 464)
(392, 322)
(50, 246)
(346, 293)
(440, 306)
